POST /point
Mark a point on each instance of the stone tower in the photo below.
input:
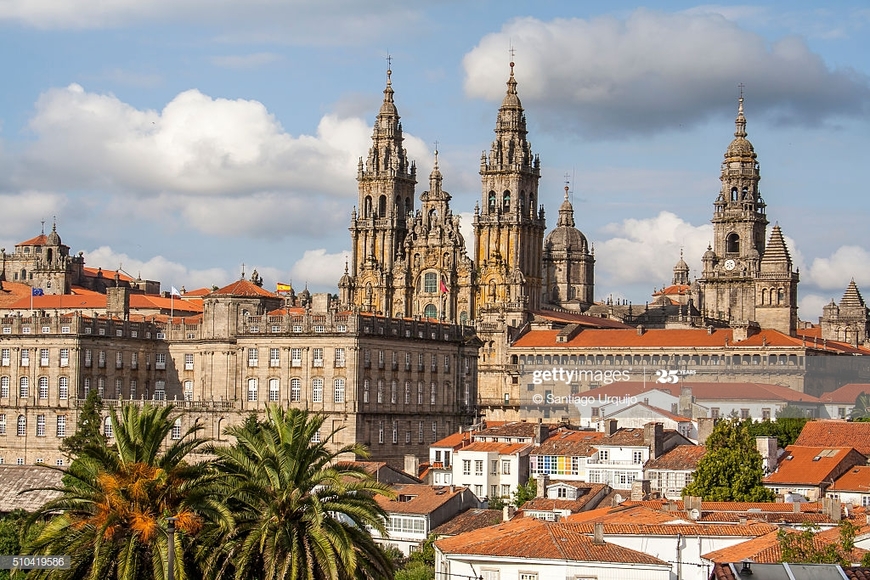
(386, 198)
(739, 275)
(569, 264)
(508, 250)
(849, 321)
(509, 227)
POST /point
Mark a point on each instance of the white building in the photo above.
(492, 469)
(621, 455)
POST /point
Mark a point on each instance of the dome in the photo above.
(566, 237)
(511, 99)
(53, 238)
(740, 147)
(709, 254)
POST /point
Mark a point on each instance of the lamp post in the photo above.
(170, 533)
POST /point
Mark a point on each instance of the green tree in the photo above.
(861, 410)
(299, 513)
(111, 517)
(785, 429)
(731, 470)
(790, 412)
(801, 548)
(525, 492)
(88, 427)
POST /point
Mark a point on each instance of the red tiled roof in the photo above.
(856, 479)
(453, 441)
(569, 443)
(590, 492)
(676, 289)
(511, 429)
(707, 391)
(196, 292)
(94, 301)
(655, 411)
(631, 514)
(811, 465)
(766, 549)
(243, 288)
(109, 274)
(732, 506)
(492, 446)
(675, 338)
(750, 530)
(13, 292)
(847, 394)
(832, 433)
(580, 319)
(680, 458)
(418, 498)
(467, 521)
(39, 240)
(531, 538)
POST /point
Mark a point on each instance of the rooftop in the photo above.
(418, 498)
(832, 433)
(680, 458)
(809, 465)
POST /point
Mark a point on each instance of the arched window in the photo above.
(42, 385)
(430, 311)
(745, 193)
(107, 427)
(382, 206)
(176, 429)
(400, 211)
(22, 425)
(367, 207)
(24, 387)
(780, 297)
(732, 243)
(764, 296)
(734, 194)
(188, 390)
(506, 201)
(491, 203)
(274, 389)
(463, 318)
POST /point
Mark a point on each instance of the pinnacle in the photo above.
(776, 250)
(852, 297)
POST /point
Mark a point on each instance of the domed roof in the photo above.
(565, 236)
(740, 146)
(511, 99)
(388, 107)
(709, 254)
(53, 238)
(681, 266)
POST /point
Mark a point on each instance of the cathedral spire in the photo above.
(566, 213)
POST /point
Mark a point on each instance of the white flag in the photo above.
(174, 292)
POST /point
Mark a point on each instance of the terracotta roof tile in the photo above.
(467, 521)
(707, 391)
(531, 538)
(492, 446)
(14, 292)
(812, 465)
(680, 458)
(511, 429)
(836, 434)
(847, 394)
(749, 530)
(580, 319)
(857, 573)
(109, 274)
(856, 479)
(766, 549)
(243, 288)
(569, 444)
(418, 498)
(39, 240)
(590, 492)
(455, 440)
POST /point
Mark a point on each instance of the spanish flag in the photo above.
(444, 289)
(281, 287)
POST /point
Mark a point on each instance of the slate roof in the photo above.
(833, 433)
(14, 479)
(531, 538)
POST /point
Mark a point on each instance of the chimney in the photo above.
(640, 489)
(543, 482)
(118, 302)
(767, 449)
(686, 401)
(412, 465)
(640, 329)
(610, 426)
(705, 428)
(653, 436)
(542, 432)
(508, 512)
(598, 534)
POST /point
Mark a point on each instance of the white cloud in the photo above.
(645, 250)
(654, 70)
(224, 167)
(158, 268)
(319, 268)
(834, 272)
(22, 212)
(810, 307)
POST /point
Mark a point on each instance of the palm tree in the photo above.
(299, 513)
(861, 410)
(112, 514)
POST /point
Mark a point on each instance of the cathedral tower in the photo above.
(742, 281)
(509, 227)
(386, 198)
(568, 264)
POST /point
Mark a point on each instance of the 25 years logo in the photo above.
(671, 377)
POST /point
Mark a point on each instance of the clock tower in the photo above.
(738, 276)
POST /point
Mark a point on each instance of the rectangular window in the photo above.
(506, 467)
(339, 357)
(407, 392)
(134, 360)
(434, 365)
(160, 390)
(176, 429)
(420, 363)
(505, 490)
(4, 357)
(43, 357)
(274, 389)
(637, 457)
(160, 361)
(420, 393)
(366, 387)
(296, 357)
(252, 389)
(466, 467)
(25, 357)
(188, 390)
(446, 363)
(2, 423)
(714, 412)
(765, 415)
(188, 361)
(478, 467)
(61, 425)
(395, 432)
(381, 432)
(295, 390)
(744, 413)
(274, 357)
(42, 386)
(4, 387)
(317, 357)
(380, 398)
(393, 392)
(101, 359)
(493, 468)
(339, 390)
(133, 389)
(317, 390)
(64, 357)
(253, 357)
(40, 425)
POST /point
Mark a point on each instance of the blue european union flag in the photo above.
(37, 292)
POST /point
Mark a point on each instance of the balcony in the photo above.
(64, 362)
(613, 462)
(317, 363)
(274, 363)
(296, 363)
(161, 366)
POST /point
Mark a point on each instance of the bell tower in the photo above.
(379, 223)
(509, 225)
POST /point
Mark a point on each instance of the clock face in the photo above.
(730, 264)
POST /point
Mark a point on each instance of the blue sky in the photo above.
(183, 138)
